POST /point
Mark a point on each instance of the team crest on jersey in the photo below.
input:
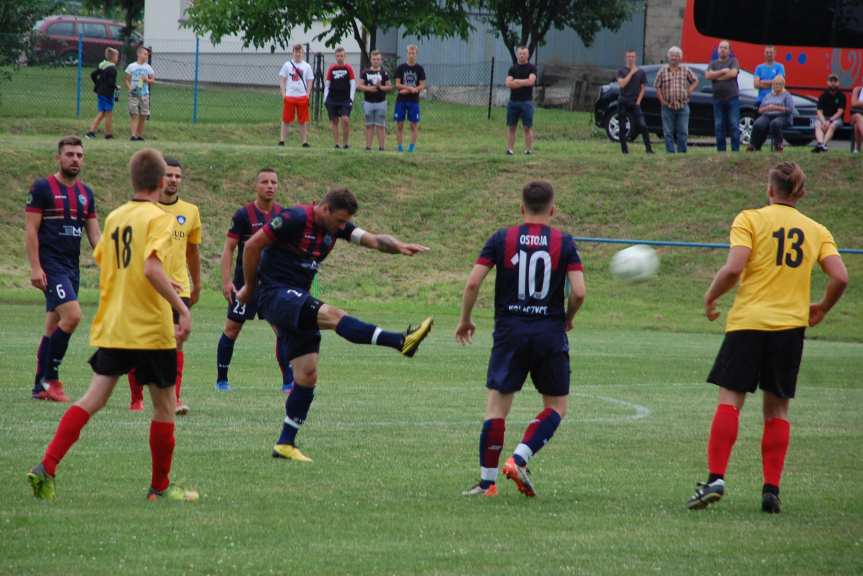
(328, 240)
(82, 199)
(30, 198)
(276, 223)
(181, 219)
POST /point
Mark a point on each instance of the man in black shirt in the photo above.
(631, 81)
(520, 80)
(831, 107)
(105, 86)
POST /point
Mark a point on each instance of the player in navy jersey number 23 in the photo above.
(534, 262)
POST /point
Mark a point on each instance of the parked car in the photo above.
(56, 39)
(800, 133)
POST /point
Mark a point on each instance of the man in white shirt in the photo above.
(295, 84)
(139, 76)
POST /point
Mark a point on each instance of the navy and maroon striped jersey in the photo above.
(532, 261)
(246, 221)
(299, 246)
(65, 211)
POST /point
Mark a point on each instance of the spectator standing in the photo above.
(726, 97)
(139, 77)
(776, 112)
(831, 108)
(520, 80)
(340, 86)
(631, 80)
(857, 118)
(410, 82)
(375, 84)
(295, 86)
(105, 86)
(766, 72)
(674, 85)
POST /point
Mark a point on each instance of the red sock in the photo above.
(136, 390)
(179, 381)
(66, 435)
(774, 447)
(723, 434)
(162, 453)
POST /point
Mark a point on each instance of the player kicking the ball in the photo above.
(773, 251)
(533, 262)
(287, 254)
(132, 328)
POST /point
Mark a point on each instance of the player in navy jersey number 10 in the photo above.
(60, 209)
(246, 221)
(280, 262)
(533, 262)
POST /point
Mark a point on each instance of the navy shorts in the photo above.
(62, 288)
(536, 347)
(411, 110)
(519, 109)
(293, 312)
(752, 359)
(105, 104)
(336, 110)
(239, 312)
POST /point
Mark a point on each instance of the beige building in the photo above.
(662, 27)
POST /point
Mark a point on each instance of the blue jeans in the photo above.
(675, 128)
(726, 121)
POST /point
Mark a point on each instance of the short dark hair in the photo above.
(69, 141)
(630, 50)
(537, 196)
(265, 170)
(787, 180)
(147, 168)
(341, 199)
(173, 162)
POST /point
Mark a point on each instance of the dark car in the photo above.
(56, 39)
(701, 109)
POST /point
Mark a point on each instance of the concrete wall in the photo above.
(664, 23)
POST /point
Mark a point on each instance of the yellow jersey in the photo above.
(132, 315)
(773, 293)
(186, 230)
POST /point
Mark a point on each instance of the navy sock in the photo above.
(537, 435)
(296, 409)
(223, 357)
(40, 359)
(358, 332)
(284, 362)
(54, 353)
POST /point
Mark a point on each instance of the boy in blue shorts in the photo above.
(60, 209)
(105, 80)
(533, 262)
(410, 82)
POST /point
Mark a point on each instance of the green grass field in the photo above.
(395, 440)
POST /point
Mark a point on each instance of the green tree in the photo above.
(526, 22)
(133, 11)
(16, 20)
(269, 22)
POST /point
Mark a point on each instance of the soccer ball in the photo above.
(635, 263)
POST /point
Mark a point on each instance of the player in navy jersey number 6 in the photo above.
(287, 253)
(533, 262)
(60, 209)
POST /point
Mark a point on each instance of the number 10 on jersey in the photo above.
(527, 274)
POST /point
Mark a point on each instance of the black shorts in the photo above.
(535, 347)
(157, 367)
(336, 110)
(749, 359)
(187, 302)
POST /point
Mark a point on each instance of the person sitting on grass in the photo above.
(776, 112)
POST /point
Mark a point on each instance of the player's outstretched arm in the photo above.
(725, 279)
(31, 242)
(835, 269)
(225, 264)
(466, 328)
(390, 244)
(576, 295)
(155, 274)
(251, 257)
